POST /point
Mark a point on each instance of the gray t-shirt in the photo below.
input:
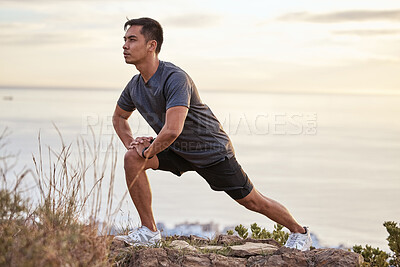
(202, 142)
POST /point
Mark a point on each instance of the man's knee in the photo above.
(251, 201)
(251, 205)
(132, 159)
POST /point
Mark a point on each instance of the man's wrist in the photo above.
(143, 156)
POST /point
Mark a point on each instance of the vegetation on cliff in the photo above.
(375, 256)
(59, 227)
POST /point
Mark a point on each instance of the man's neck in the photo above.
(148, 68)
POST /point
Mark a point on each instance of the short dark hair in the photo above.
(151, 30)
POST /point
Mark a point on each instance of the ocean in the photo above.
(332, 159)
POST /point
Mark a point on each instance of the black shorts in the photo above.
(226, 175)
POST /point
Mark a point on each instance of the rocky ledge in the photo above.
(229, 251)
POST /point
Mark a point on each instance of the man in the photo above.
(189, 137)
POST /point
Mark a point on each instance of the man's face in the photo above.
(135, 47)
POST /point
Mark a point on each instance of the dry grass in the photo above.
(60, 227)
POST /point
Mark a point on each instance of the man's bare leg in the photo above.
(139, 186)
(255, 201)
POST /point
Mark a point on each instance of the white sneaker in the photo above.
(299, 241)
(141, 236)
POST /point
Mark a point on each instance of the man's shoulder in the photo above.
(134, 81)
(173, 72)
(169, 65)
(135, 78)
(171, 68)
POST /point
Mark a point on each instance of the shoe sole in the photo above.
(137, 244)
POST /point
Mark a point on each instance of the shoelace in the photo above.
(292, 239)
(134, 233)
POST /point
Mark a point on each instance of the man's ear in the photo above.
(152, 45)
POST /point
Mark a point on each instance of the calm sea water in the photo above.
(332, 160)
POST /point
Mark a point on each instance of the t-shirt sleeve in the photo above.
(125, 100)
(178, 90)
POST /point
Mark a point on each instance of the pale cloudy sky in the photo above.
(287, 45)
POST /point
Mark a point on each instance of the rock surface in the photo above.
(252, 249)
(181, 253)
(180, 244)
(229, 239)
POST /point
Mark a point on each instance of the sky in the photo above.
(253, 45)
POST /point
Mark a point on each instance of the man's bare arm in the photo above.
(121, 126)
(174, 122)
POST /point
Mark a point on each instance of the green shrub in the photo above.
(229, 232)
(277, 234)
(375, 256)
(394, 241)
(258, 233)
(261, 233)
(242, 231)
(372, 256)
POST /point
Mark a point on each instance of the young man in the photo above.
(189, 137)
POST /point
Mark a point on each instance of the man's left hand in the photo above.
(140, 140)
(139, 146)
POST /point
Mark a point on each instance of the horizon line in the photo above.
(267, 91)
